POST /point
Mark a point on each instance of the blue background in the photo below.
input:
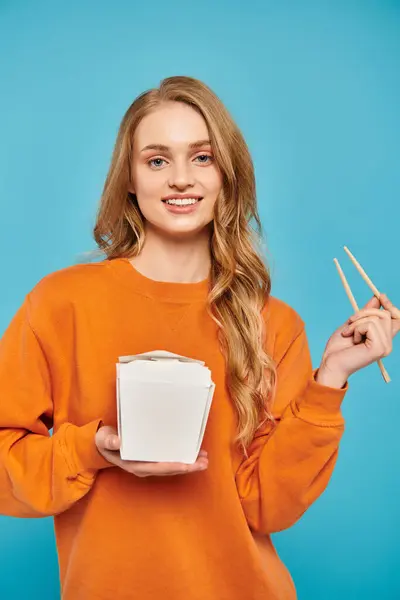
(315, 88)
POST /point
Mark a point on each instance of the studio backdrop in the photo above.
(314, 87)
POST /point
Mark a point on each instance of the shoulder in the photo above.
(66, 287)
(279, 315)
(283, 325)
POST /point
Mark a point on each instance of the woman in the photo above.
(182, 272)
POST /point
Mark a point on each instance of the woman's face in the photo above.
(178, 163)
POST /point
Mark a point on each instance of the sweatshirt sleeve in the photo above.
(290, 463)
(40, 474)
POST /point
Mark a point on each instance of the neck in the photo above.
(174, 260)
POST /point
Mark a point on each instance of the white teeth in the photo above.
(182, 201)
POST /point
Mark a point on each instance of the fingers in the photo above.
(390, 314)
(394, 313)
(388, 305)
(384, 301)
(107, 438)
(372, 303)
(158, 469)
(372, 315)
(109, 444)
(163, 469)
(371, 312)
(112, 443)
(372, 332)
(361, 325)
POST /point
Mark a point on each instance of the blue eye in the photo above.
(152, 160)
(156, 165)
(204, 156)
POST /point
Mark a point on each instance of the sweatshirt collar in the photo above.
(168, 291)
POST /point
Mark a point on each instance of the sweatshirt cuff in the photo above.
(86, 459)
(321, 404)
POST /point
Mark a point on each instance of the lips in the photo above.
(181, 197)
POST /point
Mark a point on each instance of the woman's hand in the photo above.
(108, 444)
(366, 337)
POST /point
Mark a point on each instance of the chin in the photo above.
(185, 233)
(181, 230)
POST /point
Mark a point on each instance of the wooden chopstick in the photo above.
(353, 302)
(363, 274)
(346, 285)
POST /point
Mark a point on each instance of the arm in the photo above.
(289, 464)
(40, 475)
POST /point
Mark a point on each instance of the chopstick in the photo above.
(363, 274)
(353, 302)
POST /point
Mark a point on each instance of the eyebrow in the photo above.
(164, 148)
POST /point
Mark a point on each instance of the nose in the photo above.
(181, 175)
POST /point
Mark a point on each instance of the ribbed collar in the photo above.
(168, 291)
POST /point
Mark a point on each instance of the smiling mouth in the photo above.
(182, 201)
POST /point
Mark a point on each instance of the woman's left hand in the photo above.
(366, 337)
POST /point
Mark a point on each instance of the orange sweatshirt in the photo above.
(202, 536)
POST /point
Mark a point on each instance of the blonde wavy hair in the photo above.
(240, 282)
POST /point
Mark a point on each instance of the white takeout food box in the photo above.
(163, 402)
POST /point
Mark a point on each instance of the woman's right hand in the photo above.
(108, 444)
